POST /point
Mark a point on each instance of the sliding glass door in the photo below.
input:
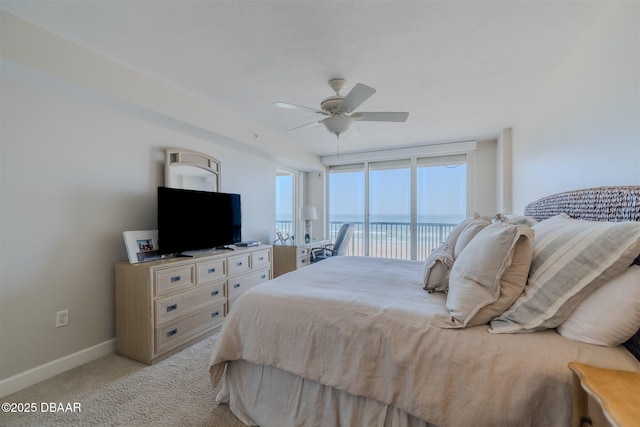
(402, 208)
(286, 218)
(389, 227)
(441, 200)
(346, 195)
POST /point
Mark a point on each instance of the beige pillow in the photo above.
(452, 238)
(467, 235)
(435, 273)
(488, 276)
(512, 283)
(436, 269)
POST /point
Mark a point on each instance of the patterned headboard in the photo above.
(594, 204)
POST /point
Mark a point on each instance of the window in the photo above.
(346, 202)
(441, 200)
(286, 215)
(389, 227)
(401, 208)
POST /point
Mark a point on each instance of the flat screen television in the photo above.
(190, 220)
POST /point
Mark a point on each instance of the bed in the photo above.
(357, 341)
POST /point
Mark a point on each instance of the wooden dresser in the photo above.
(164, 306)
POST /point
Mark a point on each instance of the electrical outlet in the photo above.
(62, 318)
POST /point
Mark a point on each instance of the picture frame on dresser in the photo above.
(142, 245)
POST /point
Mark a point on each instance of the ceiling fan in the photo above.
(340, 110)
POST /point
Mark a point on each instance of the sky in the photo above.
(441, 194)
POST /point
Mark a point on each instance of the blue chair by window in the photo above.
(339, 247)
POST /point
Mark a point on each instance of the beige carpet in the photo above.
(115, 390)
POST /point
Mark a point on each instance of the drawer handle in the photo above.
(585, 420)
(172, 307)
(215, 313)
(264, 276)
(172, 332)
(261, 258)
(214, 293)
(211, 270)
(236, 286)
(175, 279)
(238, 264)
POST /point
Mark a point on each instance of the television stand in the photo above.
(163, 306)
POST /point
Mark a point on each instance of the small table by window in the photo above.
(616, 392)
(288, 258)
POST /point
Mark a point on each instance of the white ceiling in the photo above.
(462, 69)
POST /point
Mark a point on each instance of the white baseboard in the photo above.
(43, 372)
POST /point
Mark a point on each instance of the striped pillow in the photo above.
(571, 258)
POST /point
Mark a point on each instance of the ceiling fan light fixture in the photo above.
(338, 124)
(341, 110)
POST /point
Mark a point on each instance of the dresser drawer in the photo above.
(173, 279)
(175, 333)
(303, 261)
(179, 305)
(260, 259)
(239, 264)
(245, 283)
(240, 284)
(211, 270)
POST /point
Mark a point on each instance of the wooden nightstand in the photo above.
(612, 393)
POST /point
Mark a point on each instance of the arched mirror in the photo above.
(191, 170)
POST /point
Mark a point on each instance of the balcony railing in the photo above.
(389, 239)
(285, 227)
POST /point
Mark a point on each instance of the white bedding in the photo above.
(362, 325)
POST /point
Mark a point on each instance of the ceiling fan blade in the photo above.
(298, 107)
(307, 124)
(380, 116)
(357, 96)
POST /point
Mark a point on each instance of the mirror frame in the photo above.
(181, 157)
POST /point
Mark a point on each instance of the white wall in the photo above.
(80, 163)
(504, 175)
(583, 128)
(314, 192)
(74, 176)
(484, 175)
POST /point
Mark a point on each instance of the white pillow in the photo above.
(571, 258)
(515, 219)
(488, 276)
(610, 315)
